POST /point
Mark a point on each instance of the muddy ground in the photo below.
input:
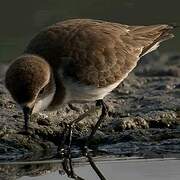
(144, 117)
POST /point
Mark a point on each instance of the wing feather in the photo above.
(98, 53)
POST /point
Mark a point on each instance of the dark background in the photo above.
(21, 19)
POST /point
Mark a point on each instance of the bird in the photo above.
(78, 61)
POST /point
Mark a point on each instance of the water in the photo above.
(20, 20)
(111, 168)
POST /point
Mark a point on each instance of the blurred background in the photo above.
(22, 19)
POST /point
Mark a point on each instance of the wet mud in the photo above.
(143, 120)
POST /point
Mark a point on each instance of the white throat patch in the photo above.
(43, 103)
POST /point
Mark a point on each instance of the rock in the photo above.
(127, 123)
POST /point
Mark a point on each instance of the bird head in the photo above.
(30, 83)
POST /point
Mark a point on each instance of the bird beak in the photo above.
(27, 115)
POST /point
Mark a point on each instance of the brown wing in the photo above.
(148, 36)
(100, 53)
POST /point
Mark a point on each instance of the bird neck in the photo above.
(59, 94)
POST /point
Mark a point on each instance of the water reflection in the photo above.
(112, 168)
(64, 167)
(69, 170)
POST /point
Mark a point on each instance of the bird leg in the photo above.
(100, 120)
(93, 165)
(81, 117)
(67, 162)
(66, 153)
(70, 127)
(61, 145)
(68, 167)
(85, 149)
(92, 110)
(95, 168)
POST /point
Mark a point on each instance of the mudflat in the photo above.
(143, 119)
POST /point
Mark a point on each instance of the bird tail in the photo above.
(174, 25)
(161, 33)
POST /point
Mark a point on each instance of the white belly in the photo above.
(78, 92)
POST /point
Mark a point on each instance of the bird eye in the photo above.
(41, 91)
